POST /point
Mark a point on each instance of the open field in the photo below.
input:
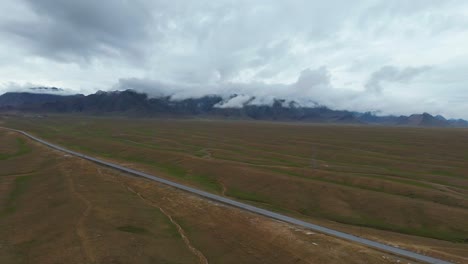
(406, 186)
(55, 208)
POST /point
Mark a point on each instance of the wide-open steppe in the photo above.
(55, 208)
(403, 186)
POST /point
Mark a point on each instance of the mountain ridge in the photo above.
(130, 102)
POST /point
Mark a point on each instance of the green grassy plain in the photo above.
(406, 180)
(55, 208)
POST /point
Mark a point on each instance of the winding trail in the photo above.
(80, 225)
(180, 230)
(250, 208)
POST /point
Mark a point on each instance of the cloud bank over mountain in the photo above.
(397, 57)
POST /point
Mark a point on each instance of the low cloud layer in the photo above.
(312, 87)
(397, 57)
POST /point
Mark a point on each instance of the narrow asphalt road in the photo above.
(250, 208)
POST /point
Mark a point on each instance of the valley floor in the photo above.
(403, 186)
(55, 208)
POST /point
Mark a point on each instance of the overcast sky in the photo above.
(397, 57)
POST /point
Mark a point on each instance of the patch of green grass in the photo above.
(441, 200)
(248, 162)
(55, 203)
(88, 150)
(206, 181)
(410, 182)
(447, 235)
(162, 220)
(444, 173)
(202, 180)
(372, 222)
(22, 249)
(172, 170)
(393, 178)
(134, 143)
(132, 229)
(185, 224)
(248, 196)
(284, 162)
(22, 147)
(20, 186)
(199, 154)
(304, 211)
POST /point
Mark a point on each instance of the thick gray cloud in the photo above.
(392, 74)
(356, 55)
(71, 30)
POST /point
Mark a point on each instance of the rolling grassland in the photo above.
(403, 186)
(55, 208)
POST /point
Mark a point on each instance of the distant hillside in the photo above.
(424, 119)
(133, 103)
(25, 99)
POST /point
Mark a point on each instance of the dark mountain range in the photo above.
(27, 99)
(132, 103)
(423, 120)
